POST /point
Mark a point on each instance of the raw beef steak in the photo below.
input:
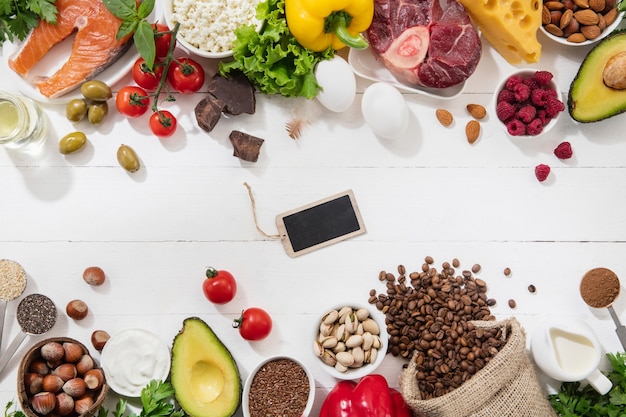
(431, 43)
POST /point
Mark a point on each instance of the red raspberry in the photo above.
(543, 116)
(513, 81)
(563, 150)
(505, 111)
(543, 77)
(521, 92)
(535, 127)
(539, 97)
(554, 107)
(527, 113)
(506, 95)
(516, 127)
(541, 172)
(532, 83)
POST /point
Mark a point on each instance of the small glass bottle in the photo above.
(22, 122)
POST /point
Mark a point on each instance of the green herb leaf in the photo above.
(145, 8)
(127, 27)
(17, 18)
(144, 41)
(122, 9)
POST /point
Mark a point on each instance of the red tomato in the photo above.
(163, 123)
(145, 77)
(185, 75)
(162, 39)
(254, 324)
(132, 101)
(219, 286)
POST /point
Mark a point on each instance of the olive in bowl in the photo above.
(58, 377)
(350, 341)
(528, 103)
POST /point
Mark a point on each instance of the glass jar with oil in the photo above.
(22, 122)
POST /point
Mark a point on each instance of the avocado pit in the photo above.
(614, 73)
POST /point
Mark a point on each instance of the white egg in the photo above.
(384, 110)
(338, 84)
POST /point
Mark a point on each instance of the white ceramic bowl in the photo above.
(366, 369)
(604, 34)
(527, 73)
(170, 21)
(250, 378)
(133, 357)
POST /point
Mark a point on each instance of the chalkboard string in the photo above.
(256, 223)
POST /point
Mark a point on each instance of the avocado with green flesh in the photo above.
(590, 99)
(204, 374)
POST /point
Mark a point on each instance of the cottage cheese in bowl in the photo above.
(207, 27)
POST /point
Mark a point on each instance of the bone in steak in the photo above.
(430, 43)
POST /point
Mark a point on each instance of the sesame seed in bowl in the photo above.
(207, 27)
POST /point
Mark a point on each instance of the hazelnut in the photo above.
(52, 352)
(52, 383)
(65, 371)
(99, 339)
(77, 309)
(39, 366)
(85, 364)
(94, 275)
(94, 378)
(43, 403)
(73, 352)
(83, 404)
(64, 404)
(75, 387)
(33, 382)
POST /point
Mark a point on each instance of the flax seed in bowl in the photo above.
(279, 386)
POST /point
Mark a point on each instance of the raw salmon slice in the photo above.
(95, 46)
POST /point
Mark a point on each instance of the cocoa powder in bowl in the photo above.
(599, 287)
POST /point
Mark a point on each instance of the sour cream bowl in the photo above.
(207, 27)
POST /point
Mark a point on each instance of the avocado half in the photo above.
(589, 99)
(204, 374)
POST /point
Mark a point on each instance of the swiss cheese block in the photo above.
(510, 26)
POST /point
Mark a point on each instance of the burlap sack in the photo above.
(506, 386)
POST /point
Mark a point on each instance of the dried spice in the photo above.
(599, 287)
(12, 280)
(36, 314)
(279, 388)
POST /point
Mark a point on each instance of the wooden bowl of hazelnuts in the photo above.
(58, 377)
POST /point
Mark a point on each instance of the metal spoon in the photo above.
(12, 285)
(599, 288)
(36, 314)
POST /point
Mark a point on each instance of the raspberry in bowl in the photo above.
(528, 103)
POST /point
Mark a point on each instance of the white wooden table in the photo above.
(429, 193)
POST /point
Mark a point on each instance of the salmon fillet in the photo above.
(95, 45)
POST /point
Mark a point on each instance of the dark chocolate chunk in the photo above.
(245, 146)
(236, 91)
(208, 112)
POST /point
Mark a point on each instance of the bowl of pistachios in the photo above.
(350, 340)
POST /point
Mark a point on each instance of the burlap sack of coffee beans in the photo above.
(506, 387)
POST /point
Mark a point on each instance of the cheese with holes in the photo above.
(510, 26)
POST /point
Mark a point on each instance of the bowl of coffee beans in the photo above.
(350, 341)
(278, 385)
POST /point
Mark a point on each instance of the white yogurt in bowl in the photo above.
(132, 358)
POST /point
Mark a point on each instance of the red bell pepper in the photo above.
(371, 397)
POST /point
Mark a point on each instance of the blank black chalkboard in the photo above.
(320, 223)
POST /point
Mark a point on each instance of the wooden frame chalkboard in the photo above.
(320, 223)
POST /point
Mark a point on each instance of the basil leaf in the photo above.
(127, 27)
(145, 8)
(122, 9)
(144, 41)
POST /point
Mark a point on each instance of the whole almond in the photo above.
(566, 17)
(586, 17)
(597, 5)
(476, 111)
(590, 32)
(545, 15)
(582, 4)
(554, 5)
(610, 16)
(444, 117)
(601, 22)
(472, 131)
(576, 38)
(554, 29)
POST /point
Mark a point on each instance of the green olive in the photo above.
(72, 142)
(96, 90)
(97, 112)
(128, 159)
(76, 110)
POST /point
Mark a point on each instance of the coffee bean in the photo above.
(507, 271)
(512, 303)
(531, 288)
(476, 268)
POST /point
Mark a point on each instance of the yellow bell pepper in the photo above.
(318, 24)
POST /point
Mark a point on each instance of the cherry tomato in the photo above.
(145, 77)
(219, 286)
(254, 324)
(162, 40)
(132, 101)
(185, 75)
(163, 123)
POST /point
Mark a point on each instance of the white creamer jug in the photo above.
(569, 351)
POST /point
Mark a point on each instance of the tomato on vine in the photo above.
(162, 39)
(254, 324)
(132, 101)
(219, 287)
(145, 77)
(162, 123)
(185, 75)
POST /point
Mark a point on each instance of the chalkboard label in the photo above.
(320, 223)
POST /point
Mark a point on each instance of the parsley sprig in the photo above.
(574, 401)
(157, 400)
(18, 17)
